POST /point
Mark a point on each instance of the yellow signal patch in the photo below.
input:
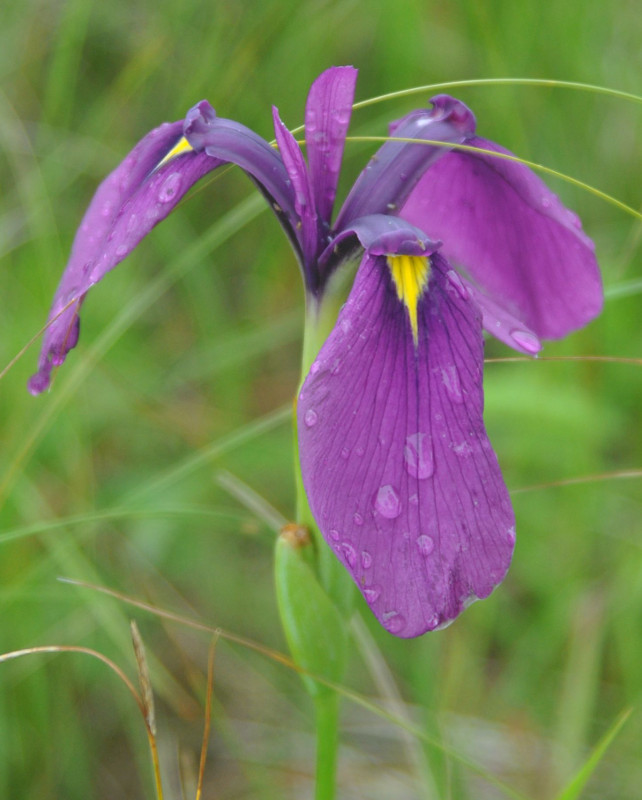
(410, 276)
(181, 146)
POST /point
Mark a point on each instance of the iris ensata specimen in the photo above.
(397, 467)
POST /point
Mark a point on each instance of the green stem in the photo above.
(327, 712)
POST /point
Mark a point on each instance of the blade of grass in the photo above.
(576, 785)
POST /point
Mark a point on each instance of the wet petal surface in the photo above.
(134, 198)
(396, 463)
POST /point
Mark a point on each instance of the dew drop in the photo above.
(334, 534)
(121, 250)
(106, 209)
(425, 545)
(315, 367)
(457, 284)
(387, 502)
(393, 621)
(526, 341)
(546, 202)
(366, 559)
(132, 223)
(450, 379)
(357, 519)
(359, 451)
(341, 115)
(462, 450)
(350, 553)
(510, 534)
(417, 455)
(345, 452)
(345, 325)
(310, 417)
(372, 593)
(170, 187)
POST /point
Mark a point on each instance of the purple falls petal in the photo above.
(327, 117)
(127, 205)
(394, 170)
(512, 237)
(297, 170)
(398, 469)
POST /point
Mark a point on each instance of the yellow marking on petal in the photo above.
(182, 146)
(410, 276)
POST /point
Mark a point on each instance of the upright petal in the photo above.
(134, 198)
(396, 463)
(512, 237)
(295, 166)
(394, 170)
(327, 116)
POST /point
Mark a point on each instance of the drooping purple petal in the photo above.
(134, 198)
(512, 236)
(400, 474)
(297, 171)
(394, 170)
(327, 116)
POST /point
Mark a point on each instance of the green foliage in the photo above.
(188, 362)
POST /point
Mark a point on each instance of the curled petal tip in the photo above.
(454, 111)
(198, 119)
(39, 382)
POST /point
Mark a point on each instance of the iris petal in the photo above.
(235, 143)
(512, 236)
(400, 474)
(297, 171)
(379, 235)
(392, 173)
(327, 116)
(134, 198)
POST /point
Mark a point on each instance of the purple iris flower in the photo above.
(397, 466)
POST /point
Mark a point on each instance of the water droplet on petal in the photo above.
(372, 593)
(393, 621)
(462, 450)
(310, 417)
(345, 452)
(357, 519)
(546, 202)
(121, 250)
(425, 544)
(170, 187)
(526, 341)
(359, 451)
(345, 325)
(334, 534)
(510, 533)
(366, 559)
(315, 367)
(457, 284)
(417, 455)
(350, 553)
(132, 223)
(387, 502)
(450, 379)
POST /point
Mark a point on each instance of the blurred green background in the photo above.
(132, 473)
